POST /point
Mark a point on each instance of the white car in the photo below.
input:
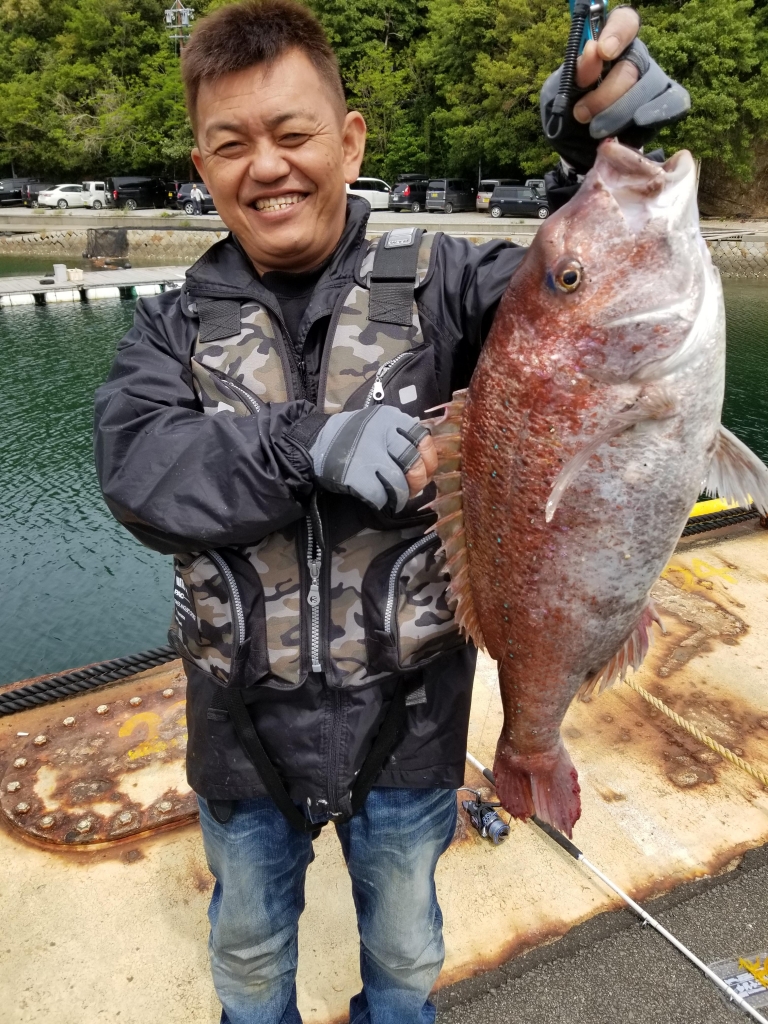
(374, 190)
(62, 196)
(94, 195)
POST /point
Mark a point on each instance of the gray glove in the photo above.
(367, 454)
(635, 119)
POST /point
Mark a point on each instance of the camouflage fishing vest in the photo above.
(368, 598)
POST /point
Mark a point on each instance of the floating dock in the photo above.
(96, 284)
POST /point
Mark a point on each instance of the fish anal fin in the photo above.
(736, 474)
(630, 655)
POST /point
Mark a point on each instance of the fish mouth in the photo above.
(645, 190)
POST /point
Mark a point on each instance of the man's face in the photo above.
(275, 148)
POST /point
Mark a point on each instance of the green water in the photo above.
(76, 586)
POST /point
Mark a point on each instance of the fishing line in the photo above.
(573, 850)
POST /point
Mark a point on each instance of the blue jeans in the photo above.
(391, 848)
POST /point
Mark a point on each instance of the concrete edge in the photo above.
(599, 928)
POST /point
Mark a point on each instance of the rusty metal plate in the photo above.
(102, 768)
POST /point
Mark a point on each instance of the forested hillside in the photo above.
(93, 87)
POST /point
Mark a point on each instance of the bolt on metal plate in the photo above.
(135, 701)
(102, 709)
(69, 722)
(113, 777)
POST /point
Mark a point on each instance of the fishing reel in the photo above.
(483, 816)
(587, 20)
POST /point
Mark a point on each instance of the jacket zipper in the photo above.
(422, 542)
(314, 563)
(238, 619)
(376, 394)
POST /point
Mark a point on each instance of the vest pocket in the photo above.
(208, 626)
(407, 615)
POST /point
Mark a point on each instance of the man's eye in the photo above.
(293, 138)
(227, 148)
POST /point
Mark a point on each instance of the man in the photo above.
(196, 195)
(262, 426)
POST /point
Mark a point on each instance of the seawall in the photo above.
(738, 255)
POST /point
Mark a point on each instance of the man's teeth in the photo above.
(278, 202)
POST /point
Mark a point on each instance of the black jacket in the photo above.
(182, 481)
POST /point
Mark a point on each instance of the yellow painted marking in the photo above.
(697, 576)
(152, 744)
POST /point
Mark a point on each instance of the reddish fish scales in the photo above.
(569, 468)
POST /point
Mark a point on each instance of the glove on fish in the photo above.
(367, 454)
(635, 118)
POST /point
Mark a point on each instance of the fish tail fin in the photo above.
(736, 474)
(630, 655)
(546, 785)
(448, 505)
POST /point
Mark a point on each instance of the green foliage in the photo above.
(92, 87)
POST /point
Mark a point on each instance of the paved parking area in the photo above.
(633, 974)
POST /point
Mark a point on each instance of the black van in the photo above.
(449, 194)
(130, 193)
(32, 189)
(409, 193)
(11, 190)
(518, 202)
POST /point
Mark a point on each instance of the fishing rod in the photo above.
(587, 20)
(573, 850)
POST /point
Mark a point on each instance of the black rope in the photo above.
(46, 691)
(715, 520)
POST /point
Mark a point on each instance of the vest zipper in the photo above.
(242, 393)
(376, 394)
(314, 563)
(238, 619)
(422, 542)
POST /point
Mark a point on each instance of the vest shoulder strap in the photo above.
(393, 277)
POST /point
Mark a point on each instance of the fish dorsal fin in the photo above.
(736, 474)
(629, 656)
(446, 433)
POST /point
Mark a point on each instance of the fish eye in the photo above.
(568, 275)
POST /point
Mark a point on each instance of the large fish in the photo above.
(569, 467)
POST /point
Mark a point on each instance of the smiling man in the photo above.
(262, 426)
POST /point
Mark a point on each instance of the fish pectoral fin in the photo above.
(736, 474)
(654, 403)
(630, 655)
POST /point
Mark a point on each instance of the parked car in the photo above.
(485, 191)
(449, 194)
(518, 202)
(172, 189)
(62, 196)
(183, 202)
(95, 194)
(132, 192)
(374, 190)
(537, 183)
(11, 190)
(32, 189)
(409, 193)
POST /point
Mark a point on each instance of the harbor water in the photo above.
(76, 586)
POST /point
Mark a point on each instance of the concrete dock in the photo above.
(28, 290)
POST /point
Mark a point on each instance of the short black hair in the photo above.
(243, 35)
